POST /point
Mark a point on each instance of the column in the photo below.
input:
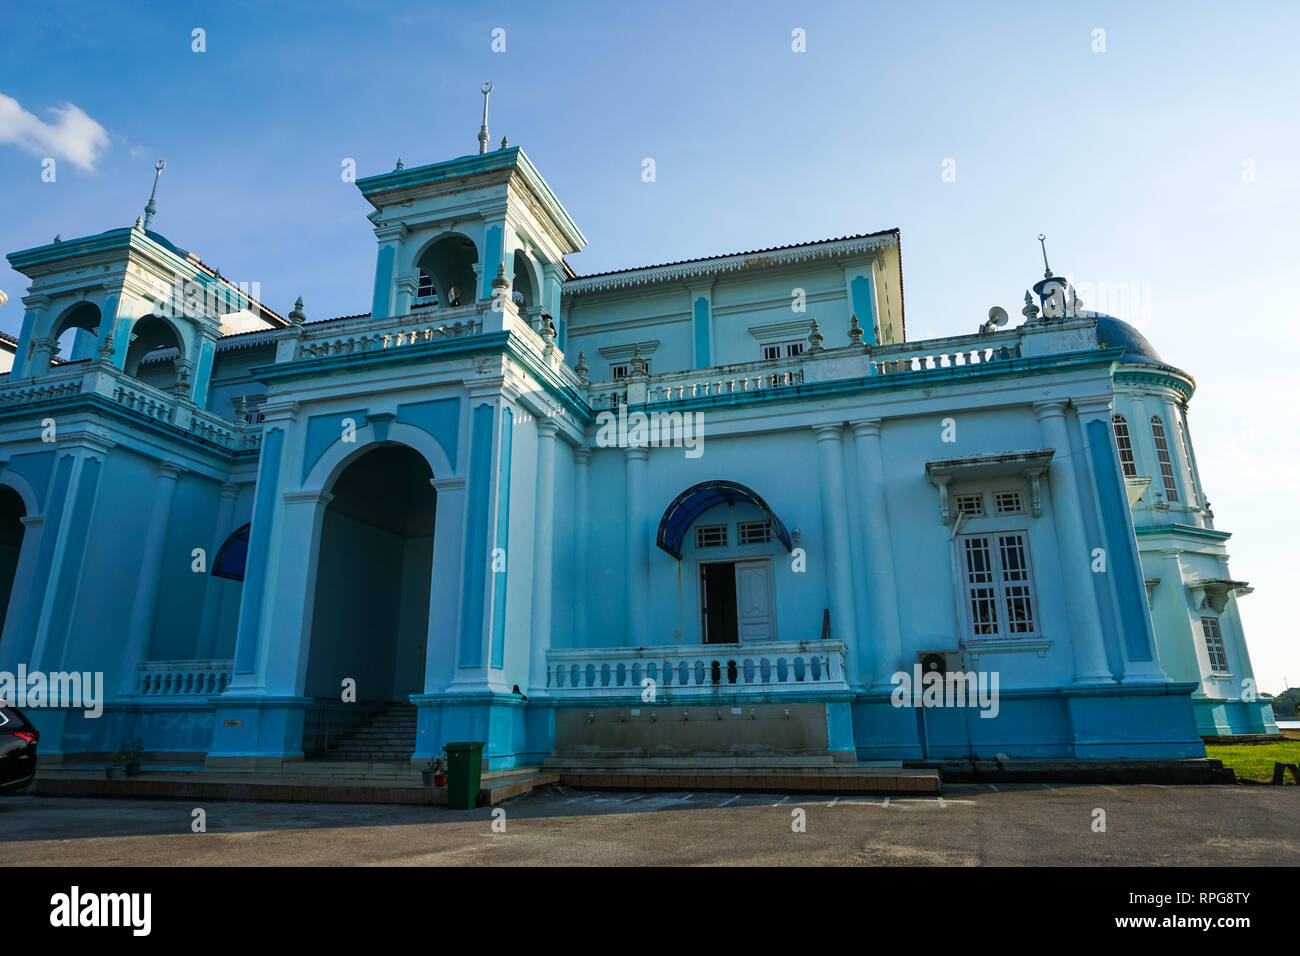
(839, 576)
(136, 647)
(1076, 558)
(210, 613)
(205, 348)
(74, 516)
(1144, 448)
(543, 551)
(248, 636)
(581, 472)
(637, 558)
(882, 589)
(1174, 437)
(36, 306)
(390, 242)
(445, 587)
(1123, 562)
(282, 658)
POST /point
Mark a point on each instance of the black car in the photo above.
(17, 749)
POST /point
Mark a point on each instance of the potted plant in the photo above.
(435, 775)
(114, 770)
(130, 754)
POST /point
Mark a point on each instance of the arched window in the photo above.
(233, 556)
(1162, 454)
(1125, 445)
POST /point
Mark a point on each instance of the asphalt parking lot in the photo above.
(971, 825)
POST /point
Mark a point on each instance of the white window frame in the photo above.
(1211, 623)
(999, 587)
(783, 350)
(420, 275)
(619, 370)
(1127, 460)
(746, 528)
(1160, 435)
(702, 529)
(967, 496)
(1019, 508)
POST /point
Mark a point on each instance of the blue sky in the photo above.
(1167, 166)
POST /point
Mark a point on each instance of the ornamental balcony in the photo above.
(146, 401)
(697, 673)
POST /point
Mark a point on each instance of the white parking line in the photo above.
(886, 803)
(687, 797)
(833, 802)
(994, 787)
(781, 801)
(732, 800)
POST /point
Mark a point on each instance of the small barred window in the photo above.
(711, 536)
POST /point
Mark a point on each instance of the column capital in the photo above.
(547, 427)
(230, 490)
(37, 301)
(170, 470)
(582, 455)
(447, 484)
(636, 453)
(829, 432)
(278, 412)
(866, 427)
(1054, 408)
(1094, 407)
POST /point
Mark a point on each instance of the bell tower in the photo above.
(447, 230)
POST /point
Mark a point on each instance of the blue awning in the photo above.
(233, 556)
(697, 499)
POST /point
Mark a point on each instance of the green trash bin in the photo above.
(464, 767)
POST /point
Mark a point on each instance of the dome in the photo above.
(1115, 333)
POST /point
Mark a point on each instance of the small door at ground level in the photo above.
(754, 600)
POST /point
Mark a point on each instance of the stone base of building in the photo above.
(1153, 721)
(1220, 717)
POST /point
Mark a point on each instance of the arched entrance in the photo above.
(12, 512)
(370, 618)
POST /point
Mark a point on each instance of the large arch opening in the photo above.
(370, 617)
(445, 272)
(77, 332)
(153, 353)
(12, 512)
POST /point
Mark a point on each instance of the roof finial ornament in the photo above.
(400, 164)
(151, 206)
(1030, 311)
(1047, 270)
(297, 317)
(483, 130)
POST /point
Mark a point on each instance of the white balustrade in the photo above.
(145, 399)
(367, 335)
(183, 678)
(943, 353)
(692, 672)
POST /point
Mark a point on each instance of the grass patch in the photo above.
(1255, 761)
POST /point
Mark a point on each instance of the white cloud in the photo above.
(72, 135)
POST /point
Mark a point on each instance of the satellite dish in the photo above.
(997, 316)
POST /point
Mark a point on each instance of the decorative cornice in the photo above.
(776, 331)
(736, 262)
(623, 353)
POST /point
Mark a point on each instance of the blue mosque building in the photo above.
(709, 509)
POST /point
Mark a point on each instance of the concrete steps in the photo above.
(387, 735)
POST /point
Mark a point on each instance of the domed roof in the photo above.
(1115, 333)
